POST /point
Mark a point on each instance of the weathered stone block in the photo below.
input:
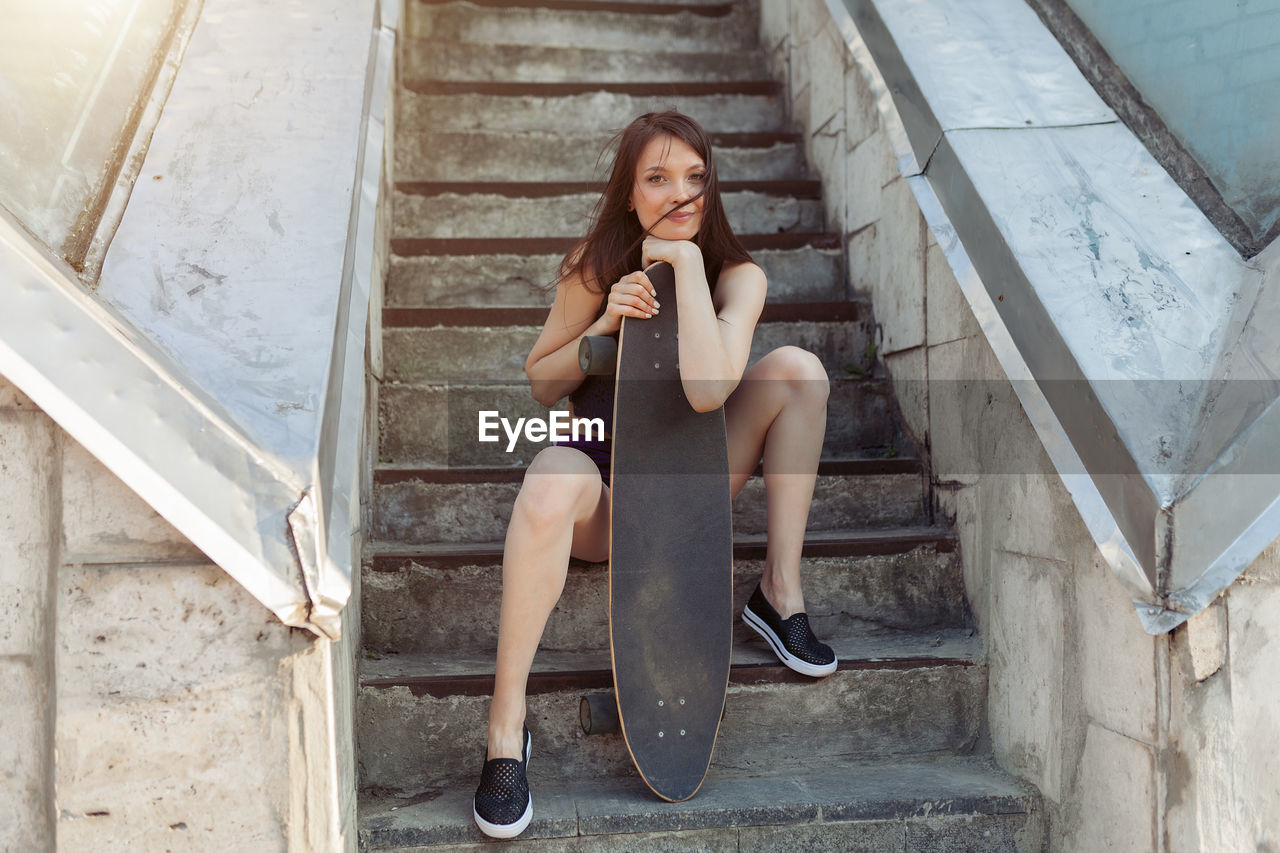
(798, 79)
(1254, 625)
(964, 504)
(899, 298)
(12, 398)
(104, 521)
(863, 256)
(826, 150)
(175, 706)
(25, 757)
(970, 402)
(827, 57)
(774, 23)
(907, 369)
(807, 17)
(28, 529)
(955, 454)
(863, 183)
(1206, 634)
(872, 836)
(1116, 787)
(1117, 659)
(948, 316)
(956, 834)
(1266, 566)
(1025, 654)
(861, 118)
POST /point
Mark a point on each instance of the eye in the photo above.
(700, 177)
(656, 179)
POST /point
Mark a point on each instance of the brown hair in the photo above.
(613, 243)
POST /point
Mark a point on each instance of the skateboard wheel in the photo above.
(598, 714)
(598, 355)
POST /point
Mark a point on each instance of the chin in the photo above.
(677, 231)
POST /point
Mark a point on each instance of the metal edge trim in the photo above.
(149, 455)
(339, 454)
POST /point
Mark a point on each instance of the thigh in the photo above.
(749, 412)
(557, 469)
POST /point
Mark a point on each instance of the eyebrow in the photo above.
(662, 167)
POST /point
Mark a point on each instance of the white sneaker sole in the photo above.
(789, 660)
(504, 830)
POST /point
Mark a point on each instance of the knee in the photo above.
(556, 488)
(803, 372)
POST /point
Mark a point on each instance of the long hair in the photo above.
(612, 246)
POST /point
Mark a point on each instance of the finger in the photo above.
(642, 306)
(648, 285)
(632, 306)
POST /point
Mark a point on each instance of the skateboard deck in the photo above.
(670, 558)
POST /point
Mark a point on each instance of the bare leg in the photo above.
(562, 510)
(778, 413)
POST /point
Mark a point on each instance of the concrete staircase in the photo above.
(501, 117)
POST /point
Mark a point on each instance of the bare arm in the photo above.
(715, 336)
(552, 365)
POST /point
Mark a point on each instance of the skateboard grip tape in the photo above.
(598, 355)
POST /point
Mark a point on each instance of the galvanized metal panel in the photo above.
(1093, 274)
(86, 366)
(986, 64)
(218, 370)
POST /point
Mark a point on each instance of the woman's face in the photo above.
(668, 174)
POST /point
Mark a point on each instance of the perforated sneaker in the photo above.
(791, 639)
(502, 806)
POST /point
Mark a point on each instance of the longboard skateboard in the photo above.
(670, 558)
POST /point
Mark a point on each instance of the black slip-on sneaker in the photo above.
(502, 806)
(791, 639)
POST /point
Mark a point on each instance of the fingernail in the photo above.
(657, 304)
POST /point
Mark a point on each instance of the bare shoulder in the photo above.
(741, 288)
(744, 271)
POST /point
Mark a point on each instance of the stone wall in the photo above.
(1138, 743)
(151, 703)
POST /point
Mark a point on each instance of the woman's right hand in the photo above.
(631, 296)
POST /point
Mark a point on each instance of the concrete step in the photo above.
(437, 426)
(422, 718)
(454, 215)
(483, 155)
(437, 349)
(443, 598)
(438, 506)
(838, 804)
(795, 275)
(425, 61)
(658, 27)
(408, 247)
(604, 112)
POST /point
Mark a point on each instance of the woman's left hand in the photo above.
(673, 252)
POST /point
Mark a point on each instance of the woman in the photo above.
(662, 203)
